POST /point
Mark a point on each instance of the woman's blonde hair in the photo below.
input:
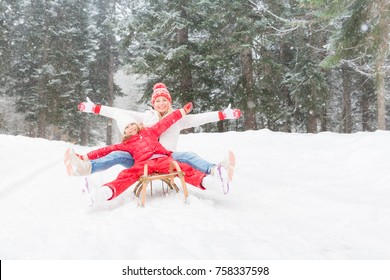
(170, 110)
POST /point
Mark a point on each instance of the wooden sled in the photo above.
(168, 179)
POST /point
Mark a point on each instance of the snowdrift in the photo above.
(294, 196)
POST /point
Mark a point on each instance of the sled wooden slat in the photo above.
(147, 179)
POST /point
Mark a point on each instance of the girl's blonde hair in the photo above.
(127, 137)
(141, 126)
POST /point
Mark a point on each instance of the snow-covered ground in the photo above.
(294, 197)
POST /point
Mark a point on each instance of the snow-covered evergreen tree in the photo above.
(361, 41)
(52, 58)
(105, 61)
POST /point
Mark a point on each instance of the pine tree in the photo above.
(105, 61)
(50, 67)
(197, 48)
(33, 67)
(74, 56)
(158, 46)
(6, 20)
(237, 23)
(362, 40)
(59, 55)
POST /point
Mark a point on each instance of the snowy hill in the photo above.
(295, 196)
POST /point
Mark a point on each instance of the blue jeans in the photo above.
(118, 157)
(126, 160)
(194, 160)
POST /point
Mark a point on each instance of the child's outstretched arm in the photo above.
(172, 118)
(186, 109)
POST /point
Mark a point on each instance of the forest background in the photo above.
(291, 65)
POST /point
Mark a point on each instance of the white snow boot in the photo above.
(94, 194)
(76, 166)
(218, 180)
(228, 163)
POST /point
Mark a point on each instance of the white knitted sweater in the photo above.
(170, 137)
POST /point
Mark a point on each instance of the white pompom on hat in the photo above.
(160, 89)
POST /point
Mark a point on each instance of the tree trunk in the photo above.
(41, 119)
(185, 65)
(247, 72)
(312, 121)
(110, 99)
(346, 114)
(368, 89)
(324, 123)
(383, 50)
(380, 93)
(185, 85)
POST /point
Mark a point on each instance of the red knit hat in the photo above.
(160, 89)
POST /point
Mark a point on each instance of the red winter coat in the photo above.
(142, 147)
(144, 144)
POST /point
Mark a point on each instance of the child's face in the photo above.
(161, 105)
(131, 129)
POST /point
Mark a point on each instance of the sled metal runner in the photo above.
(147, 179)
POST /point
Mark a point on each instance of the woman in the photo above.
(162, 107)
(143, 144)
